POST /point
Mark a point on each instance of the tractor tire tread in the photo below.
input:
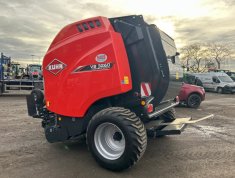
(136, 132)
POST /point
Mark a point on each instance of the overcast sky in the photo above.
(28, 26)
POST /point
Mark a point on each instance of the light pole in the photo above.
(39, 59)
(32, 56)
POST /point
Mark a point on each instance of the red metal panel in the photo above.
(83, 67)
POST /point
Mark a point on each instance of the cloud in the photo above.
(206, 30)
(229, 2)
(29, 26)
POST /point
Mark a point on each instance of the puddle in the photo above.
(206, 131)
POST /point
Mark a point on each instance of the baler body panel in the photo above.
(83, 67)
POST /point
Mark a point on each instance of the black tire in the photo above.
(194, 100)
(39, 97)
(220, 90)
(168, 116)
(132, 129)
(1, 88)
(38, 85)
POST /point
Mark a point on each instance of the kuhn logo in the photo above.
(55, 66)
(101, 58)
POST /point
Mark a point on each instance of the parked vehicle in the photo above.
(219, 70)
(109, 79)
(231, 75)
(228, 72)
(191, 95)
(15, 77)
(33, 71)
(216, 81)
(189, 78)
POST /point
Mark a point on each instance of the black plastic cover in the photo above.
(146, 54)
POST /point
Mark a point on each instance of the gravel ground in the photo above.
(205, 149)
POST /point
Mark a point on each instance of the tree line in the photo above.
(199, 57)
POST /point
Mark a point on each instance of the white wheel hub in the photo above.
(109, 141)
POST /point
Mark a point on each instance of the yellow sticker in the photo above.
(177, 76)
(126, 80)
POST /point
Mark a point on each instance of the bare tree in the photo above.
(219, 52)
(194, 56)
(186, 56)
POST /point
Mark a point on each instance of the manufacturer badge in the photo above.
(101, 58)
(55, 66)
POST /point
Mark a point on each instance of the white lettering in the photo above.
(55, 67)
(104, 66)
(93, 66)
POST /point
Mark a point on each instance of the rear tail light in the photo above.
(35, 73)
(150, 108)
(177, 99)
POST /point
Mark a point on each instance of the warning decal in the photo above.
(145, 89)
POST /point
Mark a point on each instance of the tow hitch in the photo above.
(160, 128)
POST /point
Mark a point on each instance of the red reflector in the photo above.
(177, 99)
(150, 108)
(34, 73)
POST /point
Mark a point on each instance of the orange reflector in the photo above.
(143, 103)
(48, 103)
(150, 108)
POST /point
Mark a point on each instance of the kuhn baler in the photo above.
(109, 79)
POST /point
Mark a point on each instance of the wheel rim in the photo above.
(109, 141)
(194, 101)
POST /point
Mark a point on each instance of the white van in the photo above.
(216, 81)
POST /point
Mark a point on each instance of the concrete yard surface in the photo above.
(205, 149)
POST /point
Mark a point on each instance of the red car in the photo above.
(191, 95)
